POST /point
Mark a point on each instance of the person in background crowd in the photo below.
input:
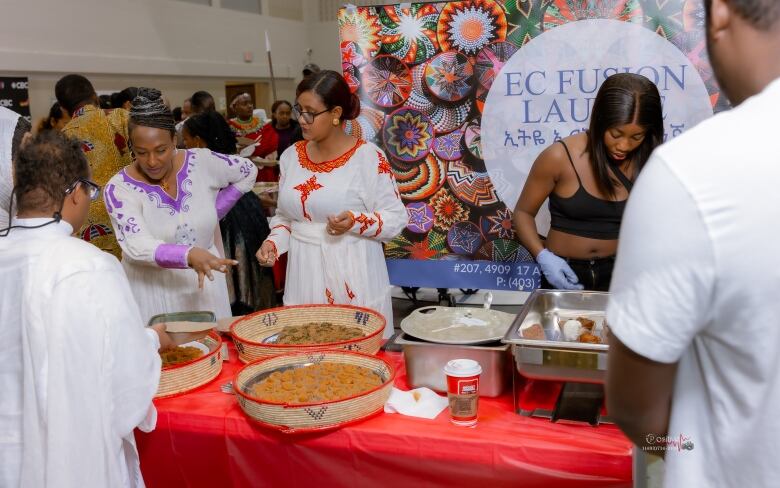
(186, 111)
(338, 201)
(310, 69)
(116, 99)
(79, 370)
(243, 229)
(125, 98)
(176, 114)
(288, 131)
(14, 130)
(56, 120)
(249, 126)
(694, 353)
(104, 101)
(165, 208)
(103, 139)
(587, 178)
(201, 101)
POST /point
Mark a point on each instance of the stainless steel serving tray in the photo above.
(425, 363)
(553, 358)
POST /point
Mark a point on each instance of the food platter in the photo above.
(316, 416)
(553, 357)
(457, 325)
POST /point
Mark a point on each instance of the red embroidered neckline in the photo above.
(325, 166)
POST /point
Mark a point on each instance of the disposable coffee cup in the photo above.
(463, 390)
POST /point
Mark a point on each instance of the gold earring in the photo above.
(336, 121)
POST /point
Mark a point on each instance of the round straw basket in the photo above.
(310, 417)
(250, 332)
(183, 377)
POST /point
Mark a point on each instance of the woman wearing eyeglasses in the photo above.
(338, 202)
(165, 207)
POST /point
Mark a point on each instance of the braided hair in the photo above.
(149, 110)
(215, 132)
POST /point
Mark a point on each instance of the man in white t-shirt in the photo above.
(694, 362)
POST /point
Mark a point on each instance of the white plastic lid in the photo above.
(462, 368)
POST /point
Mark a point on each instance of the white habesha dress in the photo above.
(156, 231)
(350, 268)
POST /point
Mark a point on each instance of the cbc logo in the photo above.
(16, 85)
(6, 102)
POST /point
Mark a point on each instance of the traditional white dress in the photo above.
(156, 231)
(350, 268)
(78, 369)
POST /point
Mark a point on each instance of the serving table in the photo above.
(203, 439)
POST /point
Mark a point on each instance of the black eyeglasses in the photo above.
(308, 117)
(93, 189)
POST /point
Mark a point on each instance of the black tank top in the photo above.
(584, 215)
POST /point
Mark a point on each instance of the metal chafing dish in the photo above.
(554, 358)
(425, 363)
(433, 336)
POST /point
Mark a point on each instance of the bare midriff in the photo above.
(576, 247)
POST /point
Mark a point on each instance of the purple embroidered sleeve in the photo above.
(171, 256)
(226, 198)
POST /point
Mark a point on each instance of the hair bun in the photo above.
(149, 109)
(148, 102)
(354, 107)
(149, 93)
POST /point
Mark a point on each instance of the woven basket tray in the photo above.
(312, 417)
(250, 332)
(183, 377)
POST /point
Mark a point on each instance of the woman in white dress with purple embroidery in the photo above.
(165, 208)
(338, 201)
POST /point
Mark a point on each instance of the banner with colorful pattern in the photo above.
(463, 96)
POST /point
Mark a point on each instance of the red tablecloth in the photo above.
(204, 439)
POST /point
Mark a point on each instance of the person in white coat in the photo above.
(79, 369)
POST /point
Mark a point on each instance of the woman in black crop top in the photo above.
(587, 178)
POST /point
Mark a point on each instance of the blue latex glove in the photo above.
(558, 272)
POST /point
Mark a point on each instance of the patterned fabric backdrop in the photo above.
(423, 74)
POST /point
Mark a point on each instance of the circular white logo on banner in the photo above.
(546, 90)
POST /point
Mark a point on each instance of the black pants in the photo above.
(594, 274)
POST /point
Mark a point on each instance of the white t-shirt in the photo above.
(697, 280)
